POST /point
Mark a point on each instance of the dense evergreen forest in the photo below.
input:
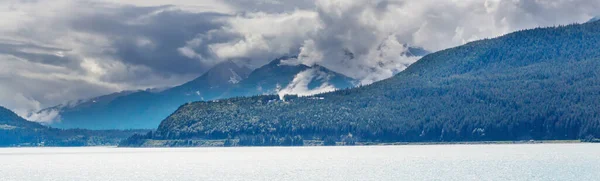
(16, 131)
(540, 84)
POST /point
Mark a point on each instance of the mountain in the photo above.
(9, 119)
(595, 18)
(212, 84)
(145, 109)
(539, 84)
(16, 131)
(271, 78)
(88, 103)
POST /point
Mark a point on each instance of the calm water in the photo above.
(428, 162)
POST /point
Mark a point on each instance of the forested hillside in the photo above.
(16, 131)
(537, 84)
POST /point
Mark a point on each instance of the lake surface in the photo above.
(411, 162)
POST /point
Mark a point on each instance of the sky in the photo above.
(54, 51)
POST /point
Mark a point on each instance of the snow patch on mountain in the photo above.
(235, 78)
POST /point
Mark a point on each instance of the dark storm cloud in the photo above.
(36, 53)
(151, 36)
(97, 48)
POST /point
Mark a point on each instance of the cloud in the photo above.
(271, 6)
(58, 51)
(52, 56)
(26, 85)
(18, 102)
(300, 84)
(45, 117)
(258, 37)
(149, 36)
(368, 39)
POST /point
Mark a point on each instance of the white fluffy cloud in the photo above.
(299, 85)
(369, 39)
(61, 50)
(257, 36)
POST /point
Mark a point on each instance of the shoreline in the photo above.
(312, 143)
(315, 143)
(481, 142)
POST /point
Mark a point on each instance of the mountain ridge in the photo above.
(9, 118)
(16, 131)
(532, 84)
(145, 109)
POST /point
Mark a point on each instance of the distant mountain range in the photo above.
(536, 84)
(145, 109)
(16, 131)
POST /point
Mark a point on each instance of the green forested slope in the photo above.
(533, 84)
(16, 131)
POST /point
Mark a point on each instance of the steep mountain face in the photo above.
(16, 131)
(96, 101)
(220, 78)
(145, 109)
(275, 76)
(534, 84)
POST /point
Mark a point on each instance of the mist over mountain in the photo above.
(533, 84)
(10, 120)
(595, 18)
(16, 131)
(145, 109)
(280, 77)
